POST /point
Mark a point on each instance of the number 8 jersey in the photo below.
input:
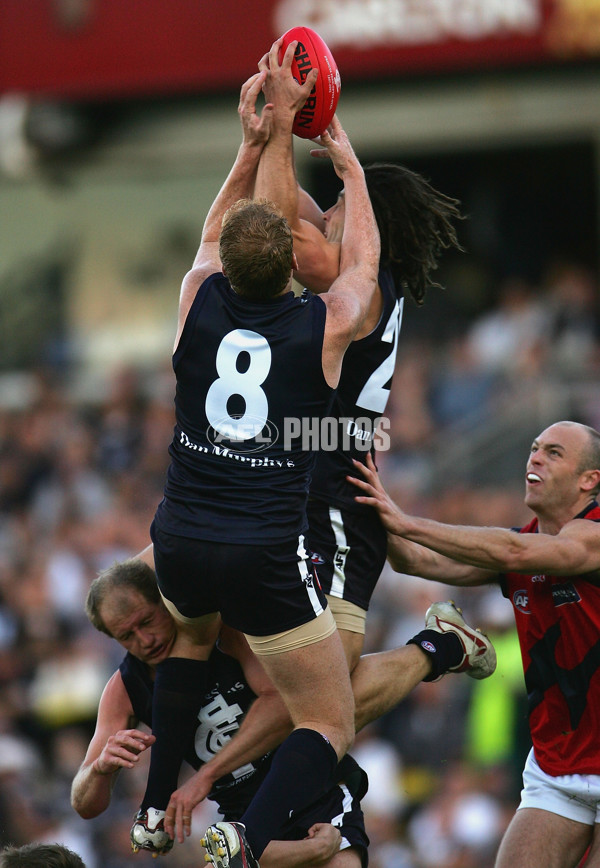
(247, 374)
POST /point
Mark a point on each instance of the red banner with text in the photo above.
(104, 49)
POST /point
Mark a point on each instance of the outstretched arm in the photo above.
(349, 297)
(575, 550)
(404, 555)
(238, 185)
(115, 745)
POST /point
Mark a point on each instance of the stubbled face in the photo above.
(144, 629)
(334, 219)
(552, 477)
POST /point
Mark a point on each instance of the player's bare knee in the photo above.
(342, 735)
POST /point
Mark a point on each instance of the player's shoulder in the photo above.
(115, 697)
(197, 275)
(587, 521)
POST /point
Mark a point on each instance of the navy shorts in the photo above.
(340, 806)
(349, 550)
(258, 589)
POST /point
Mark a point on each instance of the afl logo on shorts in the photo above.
(521, 601)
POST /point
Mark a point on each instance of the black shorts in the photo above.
(348, 549)
(340, 806)
(258, 589)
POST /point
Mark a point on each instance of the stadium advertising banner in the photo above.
(88, 49)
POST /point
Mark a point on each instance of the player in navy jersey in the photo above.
(415, 223)
(239, 723)
(550, 572)
(229, 535)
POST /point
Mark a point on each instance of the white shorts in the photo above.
(576, 797)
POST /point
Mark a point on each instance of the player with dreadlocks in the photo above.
(416, 224)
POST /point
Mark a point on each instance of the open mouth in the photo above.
(532, 478)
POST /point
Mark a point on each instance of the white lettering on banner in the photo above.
(365, 23)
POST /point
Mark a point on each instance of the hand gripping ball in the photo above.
(315, 115)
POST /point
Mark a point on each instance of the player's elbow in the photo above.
(562, 558)
(398, 564)
(85, 807)
(85, 811)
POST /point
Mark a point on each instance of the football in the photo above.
(318, 110)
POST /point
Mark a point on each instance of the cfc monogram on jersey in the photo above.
(219, 720)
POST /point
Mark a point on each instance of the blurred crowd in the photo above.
(80, 477)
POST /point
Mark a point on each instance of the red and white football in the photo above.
(318, 110)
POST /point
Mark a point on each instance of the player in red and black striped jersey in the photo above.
(550, 571)
(558, 622)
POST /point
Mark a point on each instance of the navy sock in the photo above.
(301, 771)
(179, 688)
(443, 649)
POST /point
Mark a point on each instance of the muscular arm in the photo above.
(350, 295)
(318, 261)
(405, 555)
(309, 211)
(114, 745)
(413, 559)
(575, 550)
(238, 185)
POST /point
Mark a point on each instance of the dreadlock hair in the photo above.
(415, 224)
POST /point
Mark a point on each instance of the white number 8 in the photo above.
(247, 384)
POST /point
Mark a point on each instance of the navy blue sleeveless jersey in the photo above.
(245, 372)
(223, 709)
(360, 400)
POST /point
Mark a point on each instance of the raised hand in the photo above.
(374, 494)
(336, 146)
(256, 127)
(280, 87)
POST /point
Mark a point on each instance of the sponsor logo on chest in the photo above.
(562, 594)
